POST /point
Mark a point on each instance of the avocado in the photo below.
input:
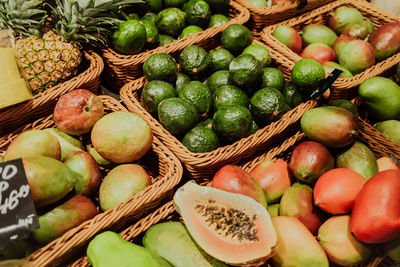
(217, 19)
(171, 21)
(154, 92)
(390, 129)
(219, 6)
(152, 37)
(130, 37)
(207, 123)
(292, 96)
(198, 13)
(245, 71)
(200, 140)
(160, 66)
(198, 94)
(272, 77)
(235, 38)
(381, 97)
(217, 79)
(154, 5)
(232, 122)
(181, 80)
(268, 104)
(226, 95)
(174, 3)
(260, 52)
(190, 30)
(150, 16)
(194, 61)
(254, 128)
(220, 59)
(133, 16)
(165, 39)
(177, 115)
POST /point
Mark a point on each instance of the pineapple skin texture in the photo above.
(44, 62)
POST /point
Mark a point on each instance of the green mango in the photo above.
(273, 210)
(358, 158)
(390, 129)
(392, 249)
(110, 249)
(381, 97)
(68, 143)
(172, 242)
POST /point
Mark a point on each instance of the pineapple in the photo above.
(55, 56)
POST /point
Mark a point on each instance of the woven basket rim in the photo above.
(10, 115)
(288, 58)
(118, 59)
(270, 10)
(135, 205)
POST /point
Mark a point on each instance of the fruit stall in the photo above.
(180, 133)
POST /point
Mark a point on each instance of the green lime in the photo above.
(307, 73)
(200, 140)
(272, 77)
(154, 92)
(217, 19)
(227, 95)
(260, 52)
(160, 66)
(220, 59)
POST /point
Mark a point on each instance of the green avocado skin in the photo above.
(130, 37)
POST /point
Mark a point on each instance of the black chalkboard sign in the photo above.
(18, 216)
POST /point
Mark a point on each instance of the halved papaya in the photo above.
(232, 228)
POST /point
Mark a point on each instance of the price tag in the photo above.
(18, 216)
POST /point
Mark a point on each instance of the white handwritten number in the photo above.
(9, 172)
(12, 201)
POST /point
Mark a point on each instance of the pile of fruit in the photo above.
(224, 95)
(58, 154)
(174, 19)
(332, 201)
(266, 3)
(349, 39)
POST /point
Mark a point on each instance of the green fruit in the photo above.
(68, 144)
(110, 249)
(398, 71)
(48, 185)
(165, 39)
(292, 96)
(198, 94)
(154, 92)
(152, 36)
(260, 53)
(227, 95)
(360, 29)
(272, 77)
(172, 242)
(356, 56)
(245, 71)
(68, 215)
(316, 33)
(200, 140)
(198, 13)
(344, 16)
(392, 249)
(254, 128)
(235, 38)
(289, 37)
(358, 158)
(267, 105)
(150, 16)
(258, 3)
(177, 115)
(329, 66)
(390, 129)
(154, 5)
(171, 21)
(133, 16)
(273, 210)
(381, 97)
(307, 74)
(333, 127)
(219, 6)
(181, 80)
(174, 3)
(99, 159)
(220, 59)
(207, 123)
(130, 37)
(194, 60)
(190, 30)
(346, 104)
(160, 66)
(217, 19)
(232, 122)
(217, 79)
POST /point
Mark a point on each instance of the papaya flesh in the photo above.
(232, 228)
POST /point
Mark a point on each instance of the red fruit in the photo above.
(76, 112)
(356, 56)
(337, 189)
(385, 163)
(274, 178)
(376, 212)
(289, 37)
(386, 40)
(319, 52)
(340, 42)
(310, 160)
(235, 180)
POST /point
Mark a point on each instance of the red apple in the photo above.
(340, 42)
(319, 52)
(76, 112)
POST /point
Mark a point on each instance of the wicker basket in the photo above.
(203, 165)
(121, 69)
(43, 103)
(283, 150)
(343, 88)
(164, 168)
(263, 16)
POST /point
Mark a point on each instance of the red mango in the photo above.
(319, 52)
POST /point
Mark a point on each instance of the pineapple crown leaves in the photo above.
(87, 21)
(23, 17)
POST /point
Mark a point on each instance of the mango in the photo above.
(381, 97)
(68, 143)
(392, 250)
(332, 126)
(172, 242)
(48, 185)
(110, 249)
(390, 129)
(121, 183)
(34, 143)
(1, 158)
(99, 159)
(273, 209)
(58, 221)
(296, 245)
(358, 158)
